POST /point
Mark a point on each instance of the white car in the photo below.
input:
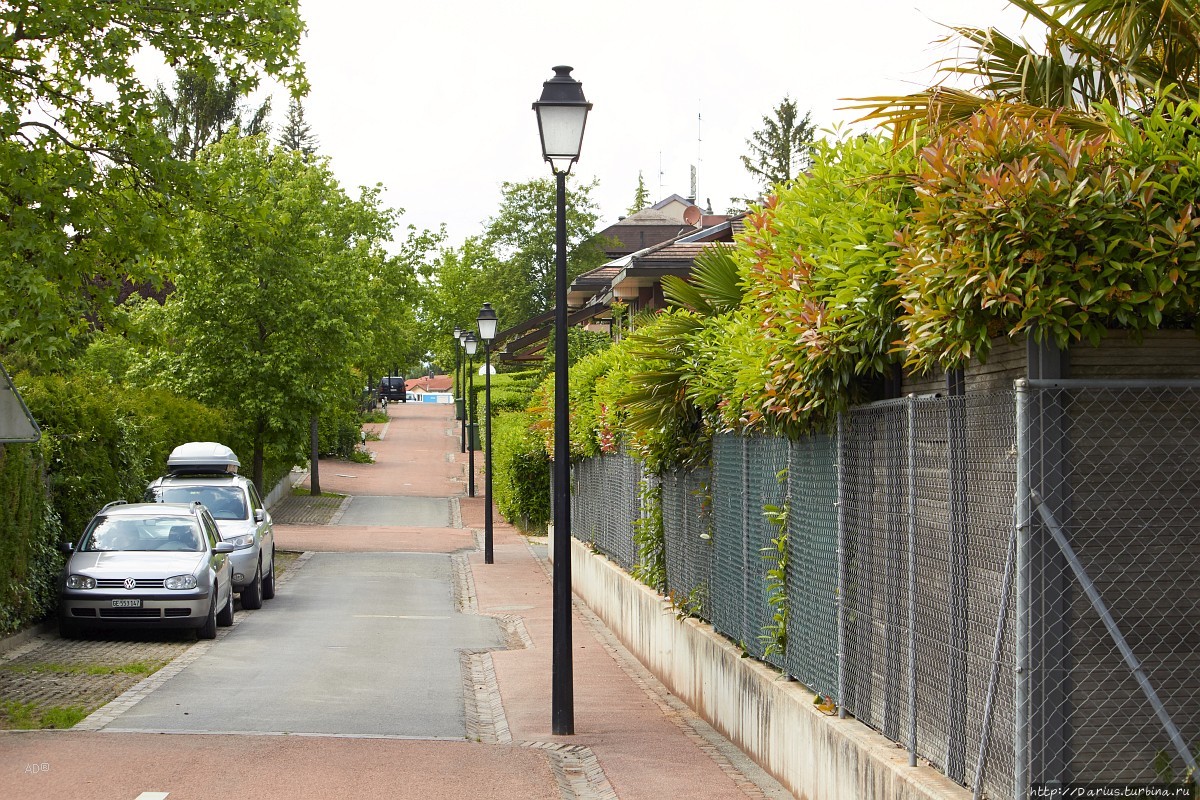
(206, 472)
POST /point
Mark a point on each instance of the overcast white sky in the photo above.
(433, 99)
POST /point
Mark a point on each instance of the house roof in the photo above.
(438, 383)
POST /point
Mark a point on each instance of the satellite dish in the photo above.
(692, 215)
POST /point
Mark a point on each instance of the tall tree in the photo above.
(88, 190)
(521, 237)
(271, 309)
(779, 151)
(297, 134)
(641, 196)
(202, 108)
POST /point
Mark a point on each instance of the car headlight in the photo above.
(81, 582)
(181, 582)
(243, 541)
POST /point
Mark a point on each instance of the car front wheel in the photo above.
(208, 630)
(252, 595)
(225, 615)
(268, 584)
(69, 629)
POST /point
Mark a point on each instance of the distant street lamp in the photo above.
(462, 340)
(561, 113)
(487, 331)
(457, 371)
(471, 344)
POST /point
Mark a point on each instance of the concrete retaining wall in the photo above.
(772, 720)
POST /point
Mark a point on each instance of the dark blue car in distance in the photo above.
(393, 389)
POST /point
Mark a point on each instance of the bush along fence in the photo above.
(999, 582)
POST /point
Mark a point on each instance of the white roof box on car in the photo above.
(202, 458)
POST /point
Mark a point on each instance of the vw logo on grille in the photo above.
(130, 583)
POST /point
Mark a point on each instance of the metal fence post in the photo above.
(841, 558)
(956, 579)
(912, 579)
(1023, 520)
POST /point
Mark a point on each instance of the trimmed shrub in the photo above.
(521, 485)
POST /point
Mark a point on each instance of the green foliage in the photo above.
(297, 134)
(90, 192)
(201, 111)
(1027, 226)
(779, 151)
(650, 538)
(774, 635)
(29, 533)
(521, 485)
(278, 274)
(521, 237)
(101, 442)
(818, 263)
(641, 196)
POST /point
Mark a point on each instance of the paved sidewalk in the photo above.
(633, 740)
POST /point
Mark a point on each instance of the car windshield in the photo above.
(143, 533)
(223, 502)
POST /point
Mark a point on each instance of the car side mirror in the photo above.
(67, 547)
(224, 547)
(260, 514)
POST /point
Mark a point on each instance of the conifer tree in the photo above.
(641, 196)
(779, 151)
(297, 133)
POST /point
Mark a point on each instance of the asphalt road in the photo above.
(360, 644)
(411, 512)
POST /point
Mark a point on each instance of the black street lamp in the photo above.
(487, 331)
(462, 341)
(471, 344)
(561, 113)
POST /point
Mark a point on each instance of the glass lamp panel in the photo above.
(562, 130)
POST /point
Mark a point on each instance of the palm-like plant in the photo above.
(1127, 53)
(657, 400)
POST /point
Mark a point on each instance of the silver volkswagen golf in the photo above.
(148, 565)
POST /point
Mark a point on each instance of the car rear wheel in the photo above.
(268, 584)
(252, 595)
(225, 615)
(208, 630)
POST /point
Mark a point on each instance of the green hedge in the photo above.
(29, 534)
(521, 486)
(104, 442)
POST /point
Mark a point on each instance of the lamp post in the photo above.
(457, 367)
(472, 345)
(462, 384)
(561, 114)
(487, 331)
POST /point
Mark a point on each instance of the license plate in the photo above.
(132, 603)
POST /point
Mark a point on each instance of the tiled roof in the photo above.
(438, 383)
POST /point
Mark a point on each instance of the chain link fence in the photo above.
(606, 504)
(687, 529)
(1110, 525)
(999, 582)
(927, 487)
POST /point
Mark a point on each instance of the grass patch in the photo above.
(16, 714)
(302, 491)
(132, 668)
(374, 417)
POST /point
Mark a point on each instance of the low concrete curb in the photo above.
(774, 721)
